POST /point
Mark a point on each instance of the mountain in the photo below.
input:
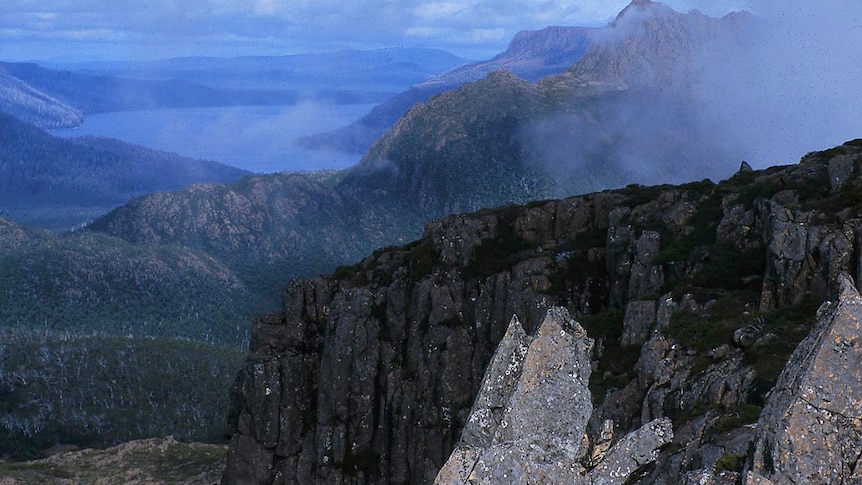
(264, 227)
(88, 281)
(495, 141)
(59, 183)
(715, 318)
(530, 55)
(502, 139)
(650, 44)
(97, 94)
(58, 97)
(33, 106)
(384, 69)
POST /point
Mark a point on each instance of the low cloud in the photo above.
(787, 86)
(794, 86)
(472, 28)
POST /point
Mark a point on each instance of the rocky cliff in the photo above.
(809, 431)
(492, 142)
(695, 296)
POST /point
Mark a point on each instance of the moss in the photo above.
(789, 326)
(497, 254)
(730, 462)
(681, 416)
(606, 325)
(615, 366)
(423, 258)
(807, 188)
(746, 414)
(849, 197)
(707, 329)
(578, 264)
(640, 194)
(354, 275)
(731, 269)
(703, 223)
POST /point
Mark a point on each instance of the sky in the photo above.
(83, 30)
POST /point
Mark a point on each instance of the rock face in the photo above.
(529, 420)
(694, 296)
(810, 430)
(374, 382)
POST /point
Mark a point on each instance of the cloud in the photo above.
(473, 28)
(767, 95)
(793, 87)
(437, 10)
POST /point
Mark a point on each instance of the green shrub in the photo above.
(423, 258)
(730, 462)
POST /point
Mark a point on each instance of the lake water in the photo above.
(255, 138)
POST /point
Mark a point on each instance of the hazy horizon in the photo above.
(59, 31)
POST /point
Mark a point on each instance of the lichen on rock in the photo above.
(538, 437)
(810, 430)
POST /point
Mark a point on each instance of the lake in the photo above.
(255, 138)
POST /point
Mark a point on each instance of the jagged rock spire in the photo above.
(528, 422)
(810, 430)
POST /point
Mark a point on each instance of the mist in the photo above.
(793, 87)
(255, 138)
(766, 88)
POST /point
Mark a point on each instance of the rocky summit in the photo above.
(665, 334)
(529, 420)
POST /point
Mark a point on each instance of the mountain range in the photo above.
(386, 69)
(491, 142)
(530, 55)
(494, 141)
(59, 98)
(60, 184)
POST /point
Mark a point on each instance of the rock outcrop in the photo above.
(810, 430)
(529, 421)
(694, 296)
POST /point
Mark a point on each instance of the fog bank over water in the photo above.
(255, 138)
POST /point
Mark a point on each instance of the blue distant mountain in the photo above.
(60, 96)
(388, 69)
(531, 55)
(58, 183)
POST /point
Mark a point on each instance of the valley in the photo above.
(339, 325)
(259, 139)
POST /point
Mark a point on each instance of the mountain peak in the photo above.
(640, 7)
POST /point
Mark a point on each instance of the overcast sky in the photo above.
(146, 29)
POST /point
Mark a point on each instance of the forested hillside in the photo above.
(102, 341)
(59, 183)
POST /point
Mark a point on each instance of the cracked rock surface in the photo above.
(810, 430)
(529, 419)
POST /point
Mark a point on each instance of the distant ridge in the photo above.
(387, 69)
(43, 179)
(530, 55)
(34, 106)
